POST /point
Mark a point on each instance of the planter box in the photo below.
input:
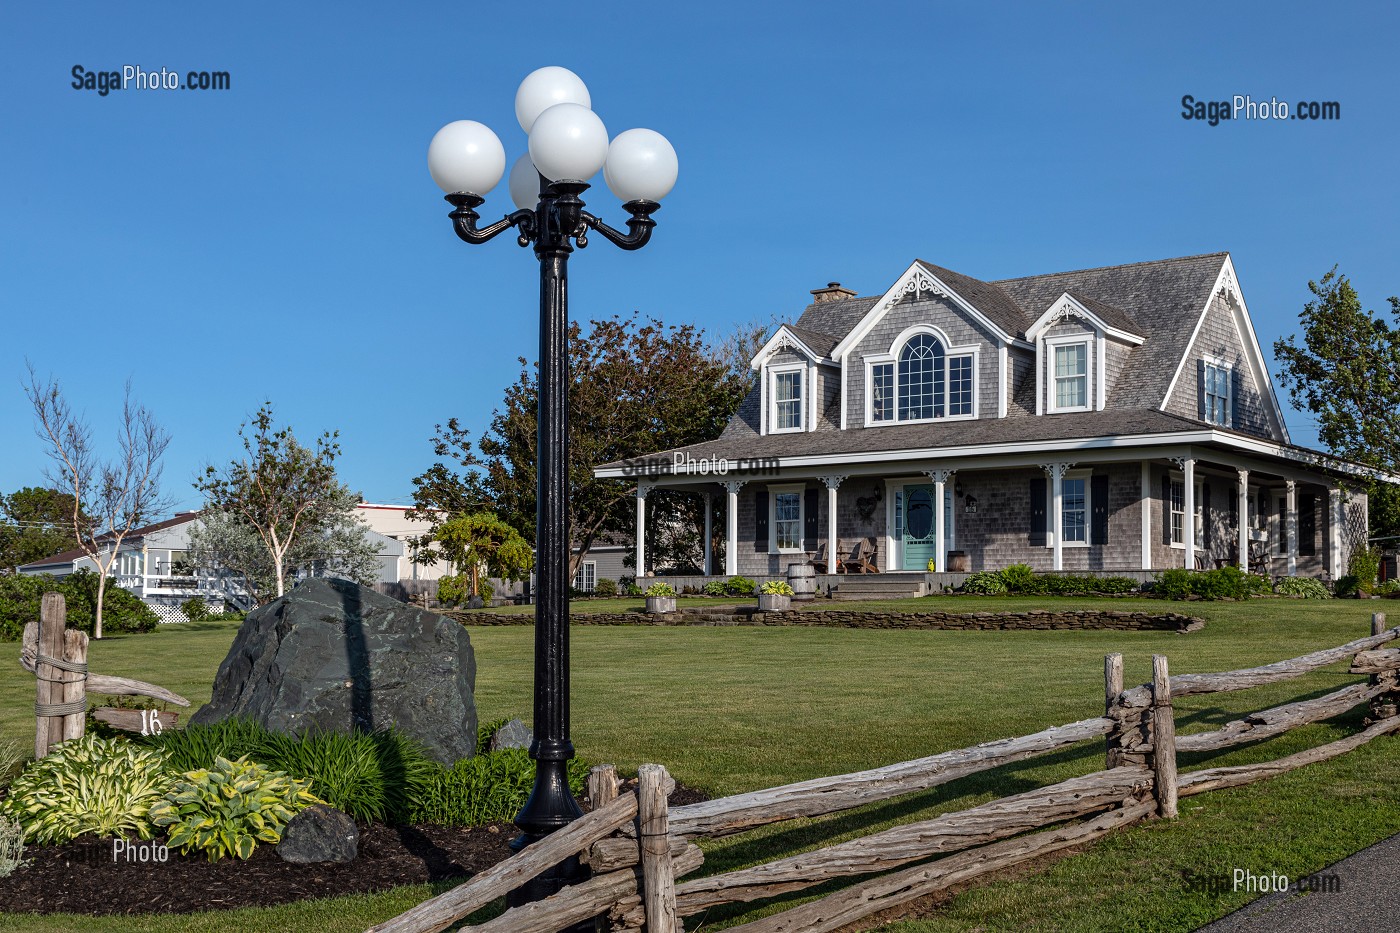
(774, 603)
(661, 604)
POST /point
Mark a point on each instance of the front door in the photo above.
(918, 544)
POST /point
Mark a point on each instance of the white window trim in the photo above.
(1178, 477)
(773, 492)
(1085, 475)
(1051, 344)
(1229, 368)
(803, 403)
(876, 359)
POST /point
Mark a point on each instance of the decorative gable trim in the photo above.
(916, 282)
(1227, 286)
(1066, 307)
(782, 339)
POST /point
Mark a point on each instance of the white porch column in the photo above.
(1188, 469)
(731, 528)
(833, 483)
(940, 532)
(709, 533)
(1056, 472)
(1242, 507)
(1292, 528)
(642, 490)
(1146, 515)
(1334, 526)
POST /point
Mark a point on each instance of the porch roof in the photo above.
(1052, 434)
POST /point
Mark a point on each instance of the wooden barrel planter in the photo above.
(661, 604)
(803, 580)
(957, 562)
(774, 602)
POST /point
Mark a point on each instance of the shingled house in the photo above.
(1116, 419)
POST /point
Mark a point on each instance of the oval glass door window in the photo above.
(919, 518)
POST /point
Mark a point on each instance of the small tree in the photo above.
(480, 540)
(109, 498)
(279, 511)
(35, 522)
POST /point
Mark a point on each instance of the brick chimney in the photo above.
(832, 292)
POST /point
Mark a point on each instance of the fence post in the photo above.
(602, 786)
(1112, 687)
(1382, 706)
(49, 679)
(75, 652)
(1163, 739)
(654, 785)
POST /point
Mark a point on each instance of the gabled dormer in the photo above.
(793, 394)
(1081, 344)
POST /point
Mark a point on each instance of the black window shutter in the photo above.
(1167, 509)
(1038, 522)
(1236, 384)
(1281, 511)
(760, 520)
(1307, 524)
(810, 525)
(1204, 412)
(1205, 514)
(1098, 498)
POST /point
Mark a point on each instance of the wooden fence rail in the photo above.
(636, 847)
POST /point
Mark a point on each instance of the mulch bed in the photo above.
(80, 877)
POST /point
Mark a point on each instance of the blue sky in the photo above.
(282, 239)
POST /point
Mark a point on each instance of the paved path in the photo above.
(1368, 900)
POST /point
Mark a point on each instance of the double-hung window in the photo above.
(787, 400)
(1074, 510)
(1215, 393)
(1177, 510)
(882, 392)
(1070, 390)
(587, 577)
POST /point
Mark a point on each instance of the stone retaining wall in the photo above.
(1081, 619)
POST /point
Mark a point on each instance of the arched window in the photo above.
(921, 379)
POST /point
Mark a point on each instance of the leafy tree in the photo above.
(35, 522)
(109, 498)
(636, 387)
(481, 540)
(1346, 372)
(280, 510)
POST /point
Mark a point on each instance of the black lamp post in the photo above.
(567, 142)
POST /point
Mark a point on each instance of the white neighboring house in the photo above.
(154, 564)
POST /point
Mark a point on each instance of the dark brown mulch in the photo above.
(81, 877)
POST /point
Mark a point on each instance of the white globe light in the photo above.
(568, 141)
(524, 183)
(466, 156)
(545, 87)
(641, 166)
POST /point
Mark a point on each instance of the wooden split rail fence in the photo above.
(636, 847)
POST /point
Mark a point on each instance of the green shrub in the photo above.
(1019, 579)
(11, 846)
(485, 788)
(660, 588)
(228, 809)
(739, 586)
(634, 590)
(1221, 583)
(715, 588)
(1173, 584)
(456, 589)
(369, 775)
(605, 588)
(1306, 587)
(195, 609)
(21, 594)
(88, 785)
(985, 583)
(1346, 587)
(1388, 588)
(1116, 586)
(1364, 564)
(776, 588)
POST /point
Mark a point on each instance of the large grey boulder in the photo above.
(335, 656)
(319, 834)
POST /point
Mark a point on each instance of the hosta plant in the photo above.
(230, 808)
(661, 589)
(775, 588)
(88, 785)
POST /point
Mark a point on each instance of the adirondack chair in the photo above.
(862, 559)
(819, 560)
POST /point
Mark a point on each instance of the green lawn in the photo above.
(734, 709)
